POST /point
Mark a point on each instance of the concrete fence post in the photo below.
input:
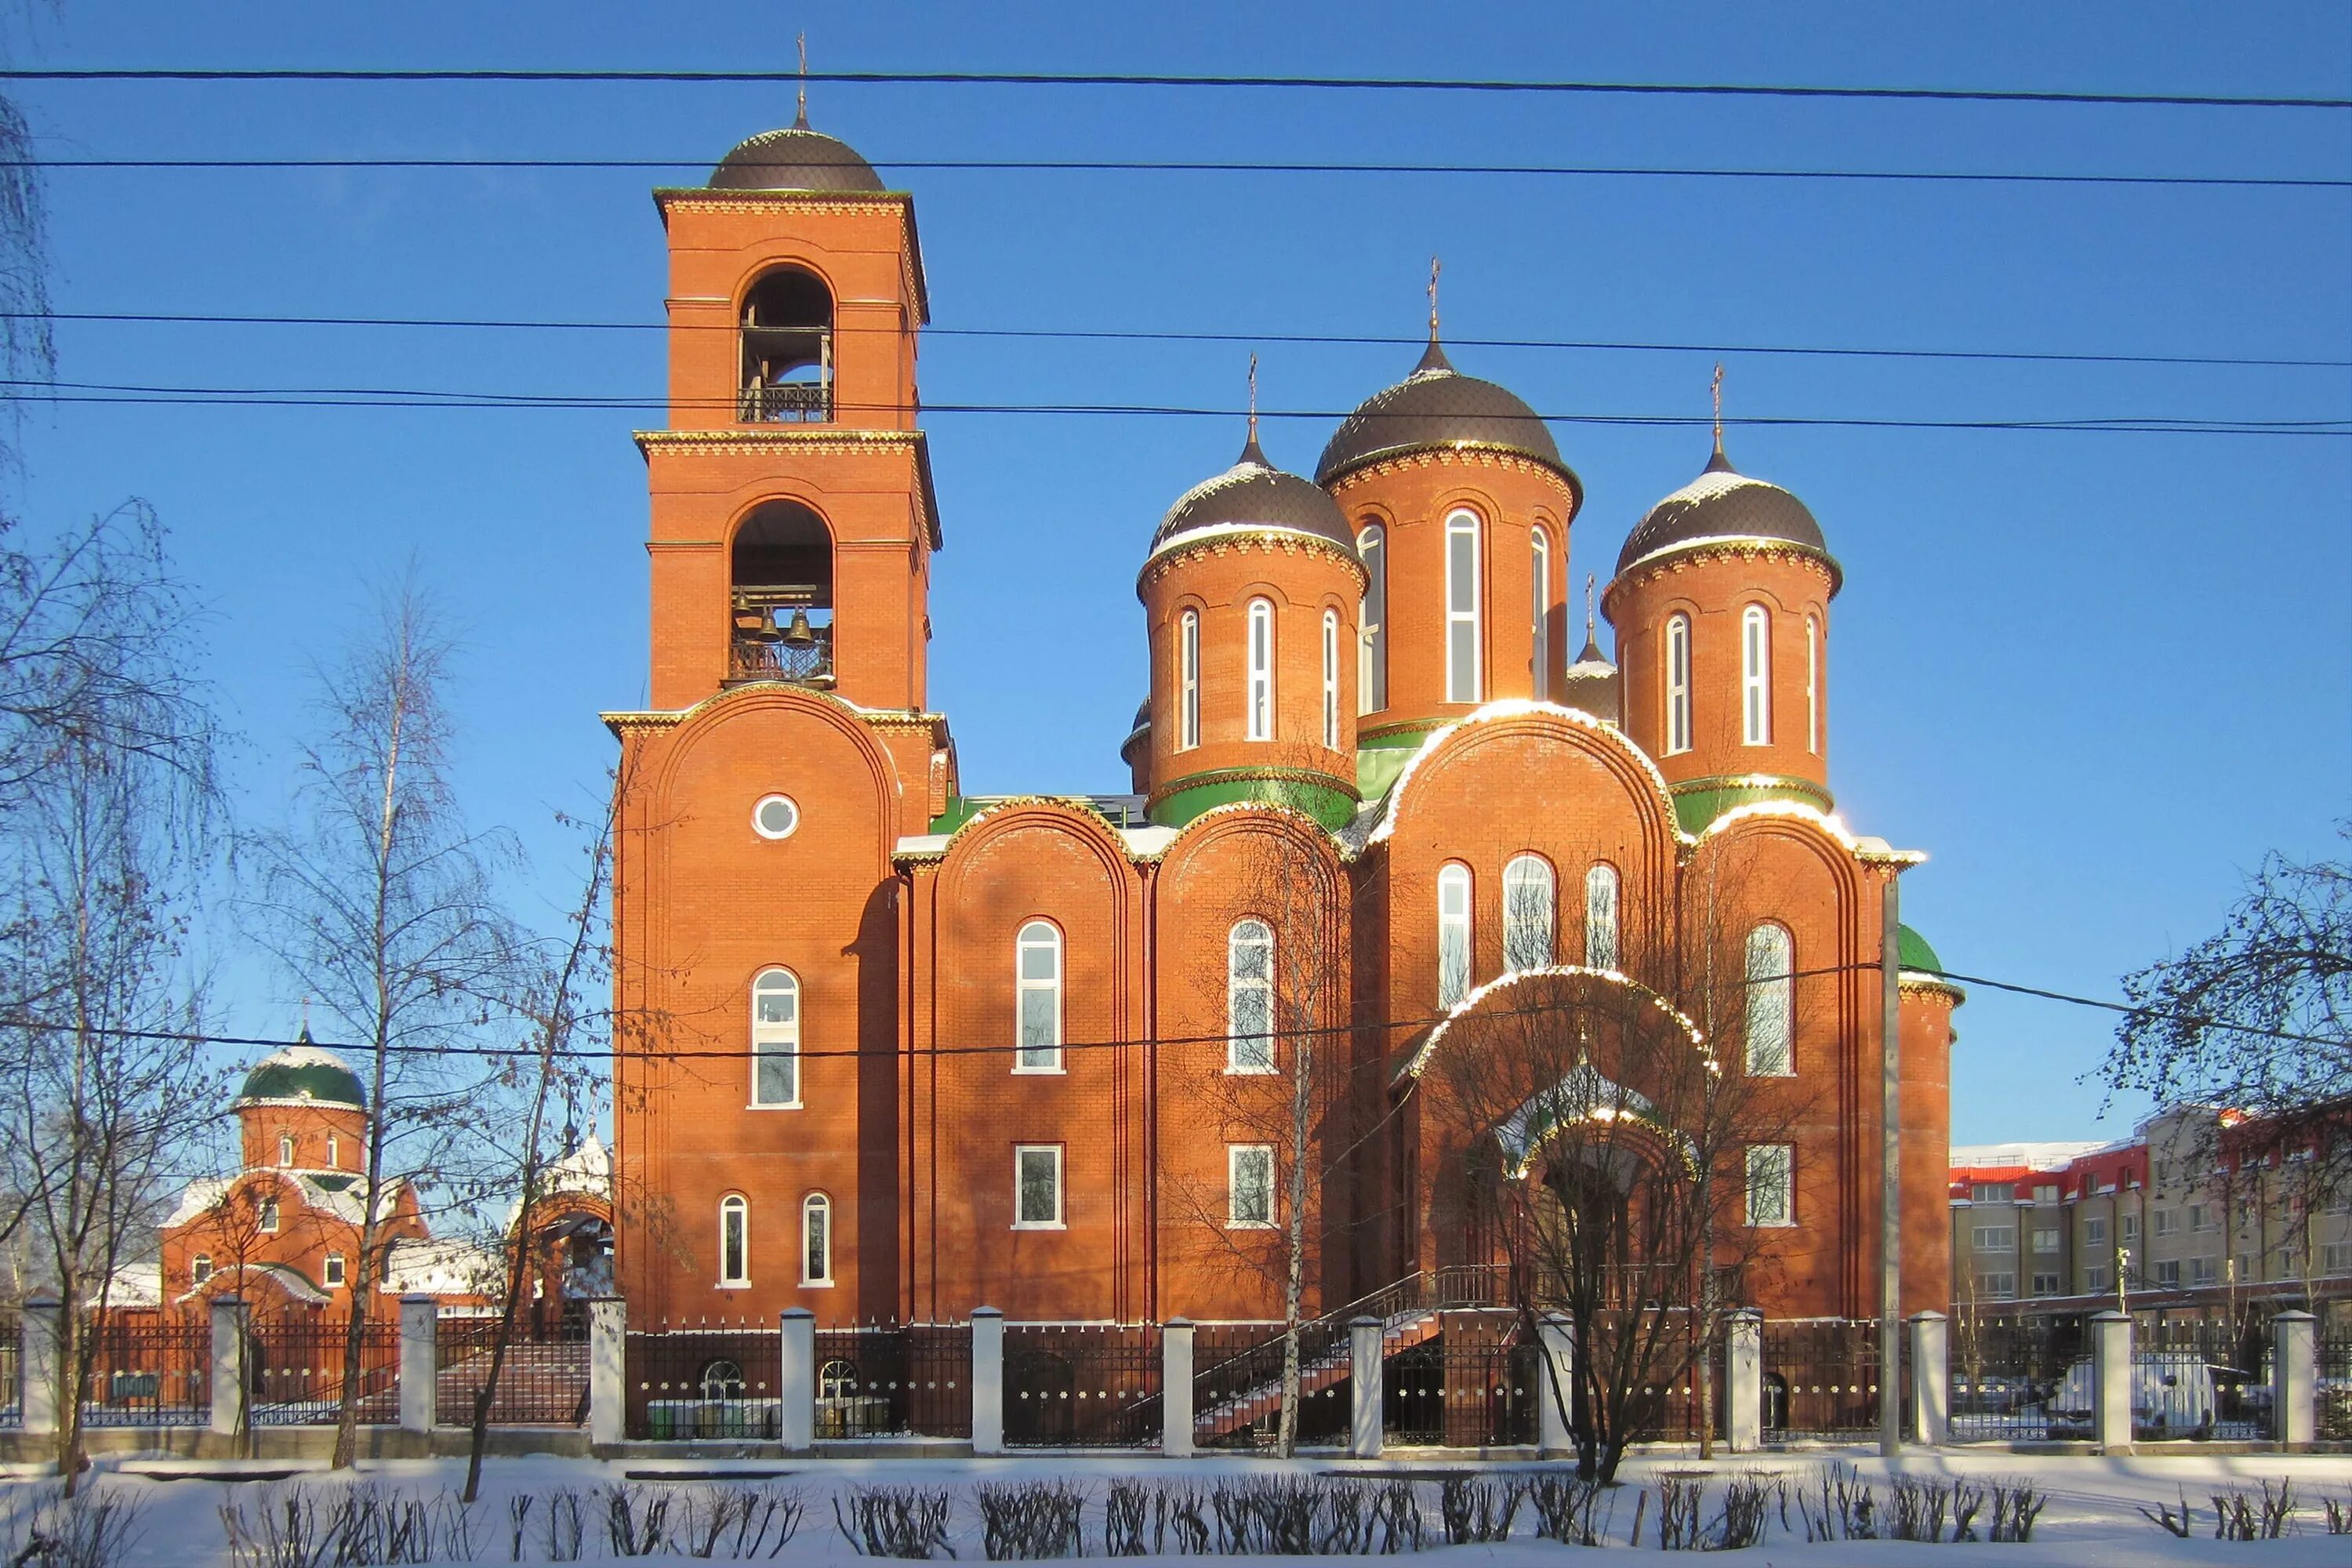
(2294, 1387)
(1931, 1379)
(1364, 1388)
(40, 1361)
(420, 1363)
(1743, 1380)
(608, 1370)
(987, 1380)
(796, 1382)
(2110, 1381)
(1176, 1388)
(1558, 1336)
(231, 1318)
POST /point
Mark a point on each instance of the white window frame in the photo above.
(1236, 1154)
(1188, 681)
(1771, 1011)
(1020, 1153)
(818, 1208)
(1331, 679)
(333, 1270)
(2128, 1229)
(1463, 592)
(1755, 676)
(334, 1152)
(1540, 562)
(1453, 933)
(2335, 1258)
(1677, 653)
(1600, 891)
(1259, 689)
(1371, 622)
(735, 1273)
(1034, 936)
(2002, 1287)
(284, 1150)
(1994, 1238)
(1771, 1174)
(774, 1041)
(2046, 1241)
(1813, 685)
(1249, 1050)
(759, 813)
(1530, 913)
(200, 1267)
(267, 1216)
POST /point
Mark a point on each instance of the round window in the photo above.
(775, 817)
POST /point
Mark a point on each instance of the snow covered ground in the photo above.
(2090, 1523)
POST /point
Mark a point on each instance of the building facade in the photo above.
(891, 1051)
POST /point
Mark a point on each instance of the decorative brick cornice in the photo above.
(702, 199)
(1215, 776)
(825, 441)
(1678, 558)
(1457, 455)
(622, 721)
(1241, 541)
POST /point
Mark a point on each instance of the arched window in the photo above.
(775, 1038)
(1453, 934)
(286, 1148)
(200, 1267)
(734, 1240)
(1679, 695)
(1601, 917)
(1529, 913)
(781, 597)
(1813, 685)
(266, 1221)
(1188, 681)
(1771, 1001)
(1372, 620)
(816, 1239)
(787, 335)
(1249, 997)
(1756, 676)
(1542, 569)
(1261, 669)
(1462, 598)
(334, 1152)
(1038, 980)
(1331, 679)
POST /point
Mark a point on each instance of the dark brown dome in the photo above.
(1254, 493)
(1435, 407)
(1722, 504)
(797, 159)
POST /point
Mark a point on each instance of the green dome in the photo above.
(303, 1072)
(1912, 952)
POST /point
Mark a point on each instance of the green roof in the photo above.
(304, 1072)
(1913, 951)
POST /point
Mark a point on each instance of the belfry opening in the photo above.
(781, 579)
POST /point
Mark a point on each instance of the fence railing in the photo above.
(704, 1383)
(295, 1370)
(888, 1381)
(1475, 1385)
(148, 1371)
(542, 1382)
(1237, 1384)
(2332, 1372)
(1081, 1385)
(2012, 1379)
(2202, 1378)
(1820, 1379)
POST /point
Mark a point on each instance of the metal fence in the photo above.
(1475, 1386)
(148, 1371)
(2202, 1378)
(1237, 1384)
(541, 1381)
(2334, 1417)
(1081, 1385)
(295, 1368)
(876, 1381)
(2016, 1379)
(1821, 1379)
(12, 1380)
(705, 1382)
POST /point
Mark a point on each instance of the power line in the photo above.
(1371, 340)
(1595, 88)
(1163, 166)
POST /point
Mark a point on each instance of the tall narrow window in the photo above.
(1249, 997)
(1530, 919)
(1372, 652)
(1678, 705)
(1261, 669)
(1188, 681)
(1756, 676)
(1038, 968)
(1037, 1186)
(334, 1271)
(200, 1267)
(285, 1147)
(334, 1152)
(1249, 1186)
(1771, 1001)
(1771, 1168)
(1542, 568)
(1601, 917)
(1453, 934)
(266, 1221)
(775, 1038)
(1462, 607)
(1813, 685)
(816, 1239)
(1331, 679)
(734, 1240)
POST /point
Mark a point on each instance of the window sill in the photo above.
(1771, 1225)
(1039, 1224)
(1041, 1072)
(733, 1285)
(1250, 1224)
(816, 1284)
(775, 1105)
(1232, 1071)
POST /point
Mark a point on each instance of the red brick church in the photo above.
(892, 1050)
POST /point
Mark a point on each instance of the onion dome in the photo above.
(1435, 408)
(1254, 494)
(797, 159)
(302, 1074)
(1724, 503)
(1138, 732)
(1912, 952)
(1591, 686)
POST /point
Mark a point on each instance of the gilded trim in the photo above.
(1271, 540)
(1461, 454)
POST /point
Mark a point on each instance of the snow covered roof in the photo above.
(1252, 497)
(302, 1074)
(439, 1267)
(2025, 1156)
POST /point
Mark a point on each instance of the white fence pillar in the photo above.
(2110, 1381)
(987, 1380)
(1743, 1380)
(420, 1363)
(1931, 1378)
(608, 1370)
(1364, 1388)
(2294, 1387)
(1176, 1388)
(796, 1382)
(231, 1320)
(40, 1358)
(1559, 1339)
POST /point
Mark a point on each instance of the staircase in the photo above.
(1316, 1373)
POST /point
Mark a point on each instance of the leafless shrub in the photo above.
(1474, 1510)
(895, 1522)
(284, 1530)
(1680, 1494)
(1398, 1507)
(2172, 1523)
(1568, 1509)
(2237, 1516)
(49, 1530)
(1025, 1519)
(636, 1519)
(1127, 1507)
(567, 1525)
(2016, 1504)
(1846, 1507)
(1747, 1512)
(2339, 1515)
(380, 1527)
(1177, 1523)
(1968, 1501)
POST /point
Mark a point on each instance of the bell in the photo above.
(798, 634)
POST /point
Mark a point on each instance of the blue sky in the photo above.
(2094, 676)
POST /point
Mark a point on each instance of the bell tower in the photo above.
(792, 513)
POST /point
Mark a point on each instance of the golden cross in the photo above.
(1433, 299)
(1717, 390)
(1588, 606)
(1252, 399)
(804, 113)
